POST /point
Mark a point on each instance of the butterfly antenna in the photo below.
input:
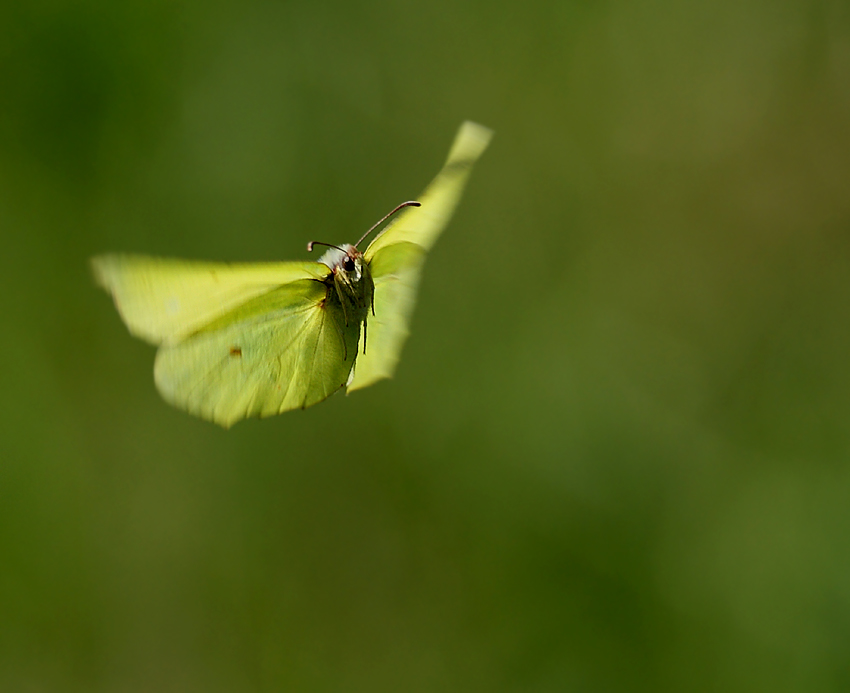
(329, 245)
(409, 203)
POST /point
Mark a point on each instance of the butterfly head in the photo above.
(345, 259)
(349, 269)
(349, 273)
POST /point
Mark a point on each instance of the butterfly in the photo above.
(257, 339)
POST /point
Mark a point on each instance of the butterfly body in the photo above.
(244, 340)
(352, 282)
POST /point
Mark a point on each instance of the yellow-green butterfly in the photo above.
(241, 340)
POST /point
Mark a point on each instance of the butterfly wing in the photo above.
(163, 299)
(287, 349)
(235, 340)
(396, 257)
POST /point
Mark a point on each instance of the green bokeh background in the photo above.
(616, 454)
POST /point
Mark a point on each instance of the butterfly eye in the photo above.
(348, 264)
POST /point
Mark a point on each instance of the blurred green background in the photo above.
(616, 454)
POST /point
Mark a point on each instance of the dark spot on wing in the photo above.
(235, 351)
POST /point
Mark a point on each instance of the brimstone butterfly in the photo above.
(242, 340)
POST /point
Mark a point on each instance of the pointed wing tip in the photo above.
(471, 140)
(107, 269)
(98, 266)
(477, 129)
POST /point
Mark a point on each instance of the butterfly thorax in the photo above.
(351, 280)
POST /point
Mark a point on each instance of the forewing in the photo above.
(387, 329)
(288, 349)
(396, 257)
(163, 300)
(423, 225)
